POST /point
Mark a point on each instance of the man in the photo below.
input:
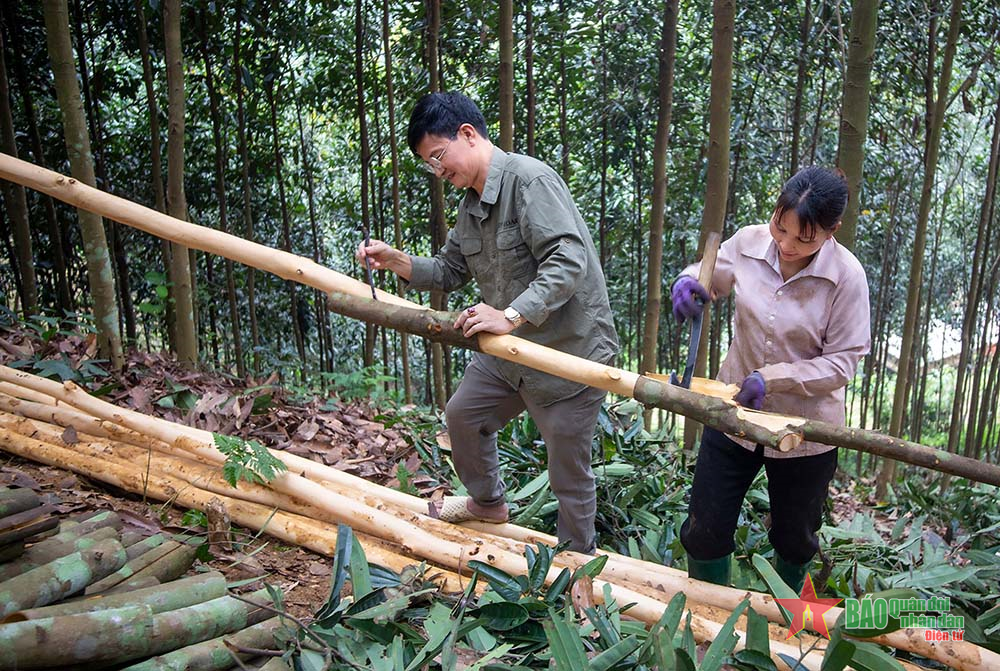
(520, 236)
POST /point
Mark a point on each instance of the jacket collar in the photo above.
(823, 264)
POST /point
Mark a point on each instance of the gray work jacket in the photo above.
(526, 245)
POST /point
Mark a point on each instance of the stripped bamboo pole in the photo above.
(645, 608)
(775, 430)
(634, 574)
(293, 529)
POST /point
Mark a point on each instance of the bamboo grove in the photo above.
(284, 125)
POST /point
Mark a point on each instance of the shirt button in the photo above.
(769, 343)
(779, 292)
(771, 317)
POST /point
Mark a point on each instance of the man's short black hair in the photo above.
(442, 114)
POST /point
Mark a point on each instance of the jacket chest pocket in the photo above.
(513, 253)
(472, 249)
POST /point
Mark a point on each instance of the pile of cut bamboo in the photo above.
(168, 461)
(134, 603)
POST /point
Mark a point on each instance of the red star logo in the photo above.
(807, 608)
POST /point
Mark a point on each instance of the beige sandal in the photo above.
(455, 509)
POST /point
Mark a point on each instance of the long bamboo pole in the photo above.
(775, 430)
(645, 608)
(651, 580)
(625, 571)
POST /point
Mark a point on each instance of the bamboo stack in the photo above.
(180, 463)
(135, 605)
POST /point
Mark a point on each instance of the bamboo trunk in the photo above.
(17, 500)
(177, 594)
(121, 634)
(646, 609)
(52, 548)
(132, 568)
(216, 654)
(60, 578)
(27, 523)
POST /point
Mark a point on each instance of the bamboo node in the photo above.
(613, 374)
(60, 179)
(512, 349)
(72, 181)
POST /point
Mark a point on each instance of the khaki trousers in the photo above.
(484, 402)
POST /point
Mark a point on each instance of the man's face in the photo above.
(450, 158)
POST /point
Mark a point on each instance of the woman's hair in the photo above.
(817, 195)
(442, 114)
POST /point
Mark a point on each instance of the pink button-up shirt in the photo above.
(805, 336)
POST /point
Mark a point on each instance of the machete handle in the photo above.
(708, 257)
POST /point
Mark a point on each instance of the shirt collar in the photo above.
(822, 265)
(494, 176)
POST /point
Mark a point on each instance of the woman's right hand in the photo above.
(685, 295)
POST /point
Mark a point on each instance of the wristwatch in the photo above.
(513, 316)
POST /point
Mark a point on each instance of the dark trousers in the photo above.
(723, 474)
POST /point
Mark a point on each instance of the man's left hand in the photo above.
(481, 318)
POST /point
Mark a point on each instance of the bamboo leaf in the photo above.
(361, 579)
(933, 576)
(342, 560)
(724, 642)
(502, 582)
(592, 568)
(870, 657)
(498, 651)
(615, 654)
(558, 586)
(501, 616)
(667, 625)
(438, 625)
(539, 483)
(564, 640)
(793, 664)
(758, 638)
(662, 645)
(603, 625)
(838, 653)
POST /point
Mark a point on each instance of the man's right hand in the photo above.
(684, 295)
(382, 256)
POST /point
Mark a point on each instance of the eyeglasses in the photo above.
(433, 163)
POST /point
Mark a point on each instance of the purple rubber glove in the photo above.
(684, 295)
(751, 393)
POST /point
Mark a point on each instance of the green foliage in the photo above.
(359, 384)
(247, 460)
(405, 478)
(157, 305)
(194, 518)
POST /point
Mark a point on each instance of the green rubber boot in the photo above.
(794, 575)
(717, 571)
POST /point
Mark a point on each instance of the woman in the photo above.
(801, 327)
